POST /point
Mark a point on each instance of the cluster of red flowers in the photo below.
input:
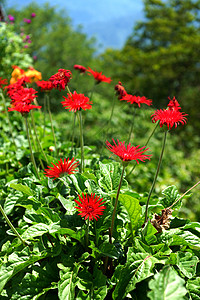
(2, 82)
(170, 116)
(80, 68)
(76, 102)
(21, 96)
(61, 79)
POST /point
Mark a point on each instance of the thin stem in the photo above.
(152, 133)
(52, 129)
(81, 141)
(87, 233)
(73, 129)
(11, 225)
(31, 151)
(45, 111)
(183, 195)
(116, 202)
(68, 90)
(31, 137)
(92, 91)
(7, 115)
(156, 175)
(37, 139)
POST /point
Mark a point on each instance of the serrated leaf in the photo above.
(167, 285)
(187, 263)
(170, 196)
(22, 188)
(132, 207)
(138, 267)
(193, 288)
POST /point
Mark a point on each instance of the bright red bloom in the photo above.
(80, 68)
(14, 87)
(3, 82)
(169, 117)
(136, 99)
(173, 104)
(45, 85)
(76, 102)
(61, 79)
(90, 206)
(23, 108)
(23, 95)
(98, 76)
(120, 90)
(62, 167)
(128, 153)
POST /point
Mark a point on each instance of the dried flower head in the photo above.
(121, 92)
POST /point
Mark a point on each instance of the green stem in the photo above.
(116, 202)
(11, 225)
(133, 168)
(73, 129)
(81, 142)
(52, 129)
(37, 139)
(31, 137)
(92, 91)
(7, 115)
(156, 175)
(31, 151)
(45, 111)
(87, 233)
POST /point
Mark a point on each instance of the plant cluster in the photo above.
(72, 226)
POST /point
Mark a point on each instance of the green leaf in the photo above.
(22, 188)
(193, 288)
(170, 196)
(35, 230)
(68, 282)
(149, 233)
(187, 263)
(138, 267)
(132, 207)
(167, 285)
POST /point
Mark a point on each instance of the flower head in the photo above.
(33, 15)
(23, 107)
(33, 74)
(22, 95)
(80, 68)
(62, 167)
(120, 90)
(3, 82)
(45, 85)
(136, 100)
(98, 76)
(11, 18)
(61, 79)
(128, 153)
(173, 104)
(76, 102)
(169, 117)
(90, 206)
(28, 21)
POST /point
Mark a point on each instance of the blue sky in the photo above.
(110, 21)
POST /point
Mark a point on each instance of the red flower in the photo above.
(90, 206)
(23, 108)
(3, 82)
(120, 90)
(76, 102)
(136, 99)
(169, 117)
(23, 95)
(173, 104)
(80, 68)
(62, 167)
(61, 79)
(128, 153)
(14, 87)
(45, 85)
(98, 76)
